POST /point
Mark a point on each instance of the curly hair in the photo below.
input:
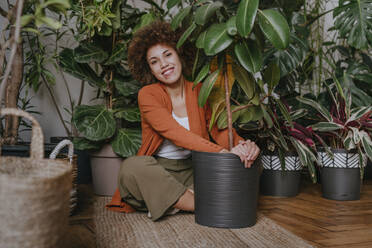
(158, 32)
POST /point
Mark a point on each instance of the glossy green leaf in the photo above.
(172, 3)
(204, 12)
(186, 35)
(353, 21)
(290, 58)
(245, 16)
(356, 135)
(127, 142)
(323, 111)
(202, 74)
(40, 20)
(89, 52)
(249, 55)
(245, 80)
(26, 19)
(253, 113)
(348, 141)
(222, 119)
(177, 20)
(299, 113)
(126, 88)
(207, 88)
(131, 114)
(80, 71)
(366, 143)
(306, 157)
(275, 28)
(146, 19)
(94, 122)
(283, 109)
(118, 53)
(358, 113)
(271, 76)
(326, 126)
(201, 40)
(216, 39)
(84, 144)
(231, 26)
(266, 116)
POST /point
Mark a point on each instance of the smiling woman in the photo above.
(160, 178)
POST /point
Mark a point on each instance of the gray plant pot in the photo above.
(105, 168)
(340, 176)
(226, 193)
(277, 182)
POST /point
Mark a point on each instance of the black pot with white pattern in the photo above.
(277, 182)
(340, 176)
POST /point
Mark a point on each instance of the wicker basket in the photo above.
(72, 160)
(34, 195)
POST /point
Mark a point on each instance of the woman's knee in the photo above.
(135, 164)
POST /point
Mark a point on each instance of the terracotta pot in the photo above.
(105, 168)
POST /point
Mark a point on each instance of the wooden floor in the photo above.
(322, 222)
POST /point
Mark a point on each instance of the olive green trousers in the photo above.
(154, 184)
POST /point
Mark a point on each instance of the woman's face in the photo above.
(164, 63)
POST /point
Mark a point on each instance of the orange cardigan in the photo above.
(157, 123)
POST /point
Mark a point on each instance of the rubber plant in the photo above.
(104, 29)
(341, 124)
(230, 37)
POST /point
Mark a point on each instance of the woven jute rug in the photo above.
(137, 230)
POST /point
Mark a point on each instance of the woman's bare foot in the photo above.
(186, 201)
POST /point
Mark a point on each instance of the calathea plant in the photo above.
(104, 31)
(342, 125)
(230, 37)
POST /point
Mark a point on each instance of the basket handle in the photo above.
(59, 147)
(37, 138)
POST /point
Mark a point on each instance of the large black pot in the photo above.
(340, 176)
(226, 193)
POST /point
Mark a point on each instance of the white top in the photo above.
(169, 150)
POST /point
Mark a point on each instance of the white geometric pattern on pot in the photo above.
(341, 160)
(272, 162)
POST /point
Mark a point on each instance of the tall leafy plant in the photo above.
(104, 29)
(230, 39)
(25, 18)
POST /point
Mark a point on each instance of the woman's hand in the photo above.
(248, 151)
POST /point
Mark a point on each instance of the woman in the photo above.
(159, 179)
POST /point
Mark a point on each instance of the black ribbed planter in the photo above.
(226, 193)
(340, 176)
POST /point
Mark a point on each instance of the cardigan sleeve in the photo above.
(156, 114)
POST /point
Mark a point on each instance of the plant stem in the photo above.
(14, 49)
(228, 108)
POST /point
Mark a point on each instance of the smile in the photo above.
(168, 71)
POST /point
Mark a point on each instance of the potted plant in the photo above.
(110, 130)
(287, 148)
(229, 46)
(26, 19)
(347, 131)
